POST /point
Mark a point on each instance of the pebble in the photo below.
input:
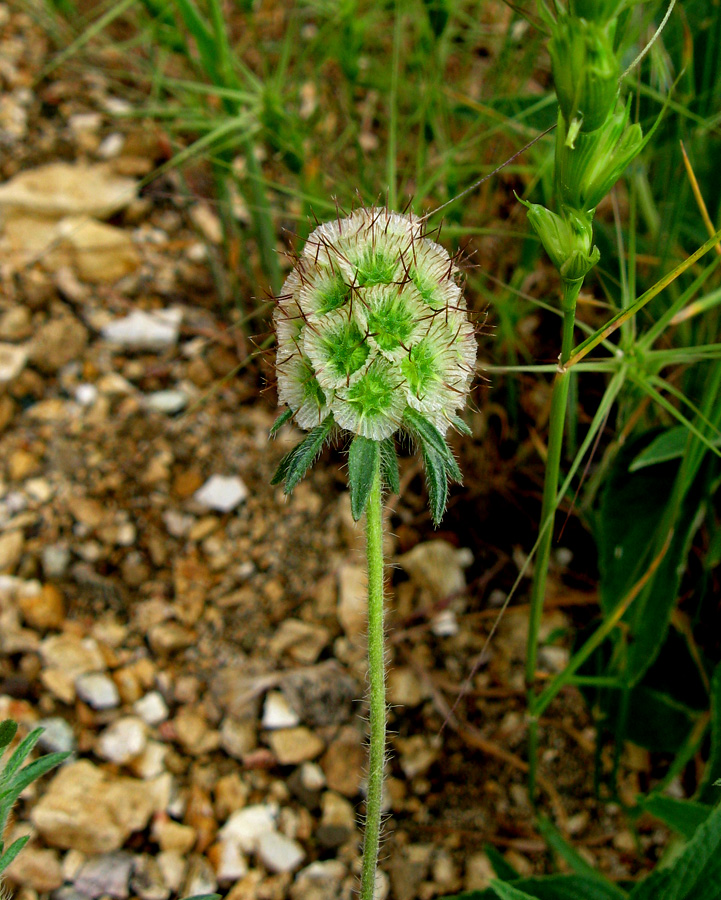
(277, 712)
(12, 544)
(338, 820)
(231, 862)
(292, 746)
(123, 740)
(279, 853)
(173, 836)
(147, 880)
(200, 879)
(238, 736)
(152, 708)
(58, 735)
(301, 641)
(12, 361)
(105, 875)
(404, 688)
(43, 609)
(16, 324)
(172, 867)
(221, 493)
(246, 826)
(36, 869)
(97, 690)
(57, 343)
(437, 566)
(140, 330)
(319, 881)
(87, 809)
(344, 762)
(102, 253)
(168, 402)
(353, 600)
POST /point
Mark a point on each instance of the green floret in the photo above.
(376, 267)
(344, 350)
(421, 367)
(332, 294)
(391, 322)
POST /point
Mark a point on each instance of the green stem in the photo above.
(377, 688)
(559, 401)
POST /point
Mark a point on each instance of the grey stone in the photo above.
(279, 853)
(98, 690)
(221, 493)
(105, 875)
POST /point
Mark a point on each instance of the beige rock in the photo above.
(292, 746)
(12, 362)
(172, 836)
(193, 732)
(11, 550)
(302, 641)
(57, 343)
(353, 599)
(86, 809)
(437, 566)
(45, 609)
(22, 464)
(16, 324)
(7, 411)
(37, 869)
(344, 762)
(101, 253)
(404, 687)
(68, 189)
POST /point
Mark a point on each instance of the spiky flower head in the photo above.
(373, 335)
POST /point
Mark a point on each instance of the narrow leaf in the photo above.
(32, 772)
(306, 454)
(8, 730)
(363, 461)
(12, 851)
(427, 433)
(556, 841)
(436, 481)
(462, 426)
(280, 422)
(684, 816)
(389, 466)
(503, 869)
(22, 751)
(506, 891)
(708, 791)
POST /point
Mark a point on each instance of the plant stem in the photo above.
(377, 687)
(559, 400)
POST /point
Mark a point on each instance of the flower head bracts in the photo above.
(373, 337)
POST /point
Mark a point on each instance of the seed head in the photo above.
(371, 323)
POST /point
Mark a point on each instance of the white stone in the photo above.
(152, 708)
(277, 712)
(86, 394)
(145, 331)
(279, 853)
(98, 690)
(246, 826)
(221, 493)
(123, 740)
(445, 624)
(12, 361)
(111, 146)
(168, 402)
(232, 864)
(312, 777)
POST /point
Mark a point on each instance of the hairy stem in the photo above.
(559, 401)
(376, 680)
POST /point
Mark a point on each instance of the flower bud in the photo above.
(370, 323)
(568, 240)
(585, 71)
(586, 172)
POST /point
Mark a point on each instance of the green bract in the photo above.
(373, 335)
(567, 239)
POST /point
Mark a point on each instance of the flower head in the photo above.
(372, 322)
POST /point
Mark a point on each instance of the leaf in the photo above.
(557, 842)
(12, 851)
(427, 433)
(462, 426)
(8, 730)
(296, 463)
(707, 792)
(389, 465)
(30, 773)
(280, 422)
(436, 481)
(22, 751)
(694, 873)
(551, 887)
(503, 869)
(684, 816)
(669, 444)
(506, 891)
(363, 462)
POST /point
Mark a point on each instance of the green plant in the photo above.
(373, 338)
(15, 777)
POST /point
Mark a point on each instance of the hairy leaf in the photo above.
(363, 461)
(389, 465)
(285, 416)
(296, 463)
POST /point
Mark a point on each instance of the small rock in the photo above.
(151, 761)
(231, 794)
(140, 330)
(105, 875)
(62, 189)
(323, 694)
(246, 826)
(167, 637)
(172, 867)
(45, 609)
(404, 688)
(417, 754)
(148, 881)
(57, 736)
(74, 655)
(57, 343)
(237, 736)
(123, 740)
(231, 863)
(302, 641)
(279, 853)
(173, 836)
(87, 809)
(319, 881)
(101, 253)
(152, 708)
(353, 600)
(479, 872)
(193, 732)
(292, 746)
(408, 868)
(221, 493)
(16, 324)
(12, 544)
(97, 690)
(437, 566)
(168, 402)
(36, 869)
(344, 761)
(201, 878)
(277, 712)
(12, 361)
(338, 820)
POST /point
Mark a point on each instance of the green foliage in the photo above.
(296, 463)
(362, 464)
(15, 777)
